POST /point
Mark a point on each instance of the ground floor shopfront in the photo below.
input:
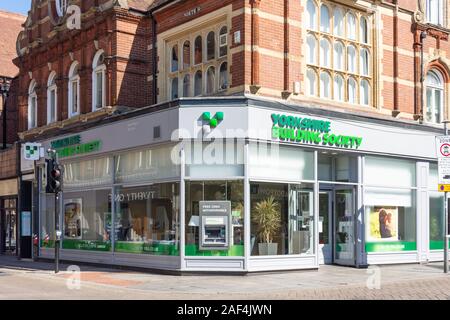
(243, 185)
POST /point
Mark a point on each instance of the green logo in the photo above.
(212, 121)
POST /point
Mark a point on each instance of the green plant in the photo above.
(267, 216)
(435, 229)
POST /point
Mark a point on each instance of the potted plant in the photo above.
(267, 216)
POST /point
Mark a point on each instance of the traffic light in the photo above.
(54, 176)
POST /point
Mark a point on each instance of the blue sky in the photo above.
(19, 6)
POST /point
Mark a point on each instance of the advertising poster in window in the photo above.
(72, 218)
(383, 223)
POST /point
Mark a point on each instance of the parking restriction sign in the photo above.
(443, 155)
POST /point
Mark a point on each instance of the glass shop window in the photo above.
(147, 219)
(282, 217)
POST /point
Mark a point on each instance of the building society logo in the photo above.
(212, 122)
(32, 151)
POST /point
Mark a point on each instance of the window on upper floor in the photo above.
(74, 90)
(98, 81)
(51, 98)
(198, 63)
(61, 7)
(434, 109)
(435, 11)
(32, 105)
(338, 53)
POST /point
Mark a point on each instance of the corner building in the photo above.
(182, 124)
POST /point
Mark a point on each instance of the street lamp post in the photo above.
(4, 90)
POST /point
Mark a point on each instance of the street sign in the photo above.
(443, 155)
(32, 151)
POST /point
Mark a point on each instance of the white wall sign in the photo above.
(32, 151)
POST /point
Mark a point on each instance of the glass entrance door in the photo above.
(344, 226)
(301, 220)
(325, 230)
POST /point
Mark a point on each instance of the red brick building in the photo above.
(11, 25)
(266, 53)
(125, 74)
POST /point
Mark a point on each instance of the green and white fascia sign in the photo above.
(72, 146)
(307, 130)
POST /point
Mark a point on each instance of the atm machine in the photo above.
(215, 225)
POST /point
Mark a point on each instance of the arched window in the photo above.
(211, 46)
(312, 54)
(198, 51)
(210, 80)
(338, 56)
(364, 92)
(98, 81)
(187, 86)
(51, 98)
(175, 59)
(325, 85)
(338, 88)
(351, 90)
(311, 83)
(198, 83)
(186, 55)
(338, 22)
(351, 59)
(364, 62)
(223, 76)
(32, 105)
(363, 30)
(61, 7)
(74, 90)
(174, 86)
(324, 19)
(325, 53)
(311, 14)
(435, 97)
(223, 42)
(351, 26)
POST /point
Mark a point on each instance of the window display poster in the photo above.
(72, 218)
(383, 223)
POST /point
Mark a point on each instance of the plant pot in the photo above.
(268, 249)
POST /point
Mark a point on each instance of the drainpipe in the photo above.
(286, 79)
(423, 35)
(395, 58)
(255, 86)
(154, 61)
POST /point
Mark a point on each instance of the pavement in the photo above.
(37, 280)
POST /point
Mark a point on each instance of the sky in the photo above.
(19, 6)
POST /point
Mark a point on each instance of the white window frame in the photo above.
(61, 7)
(97, 69)
(203, 66)
(435, 9)
(52, 87)
(434, 89)
(32, 95)
(73, 78)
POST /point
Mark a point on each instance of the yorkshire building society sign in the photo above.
(443, 155)
(73, 146)
(311, 131)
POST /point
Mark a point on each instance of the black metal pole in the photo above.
(4, 120)
(57, 234)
